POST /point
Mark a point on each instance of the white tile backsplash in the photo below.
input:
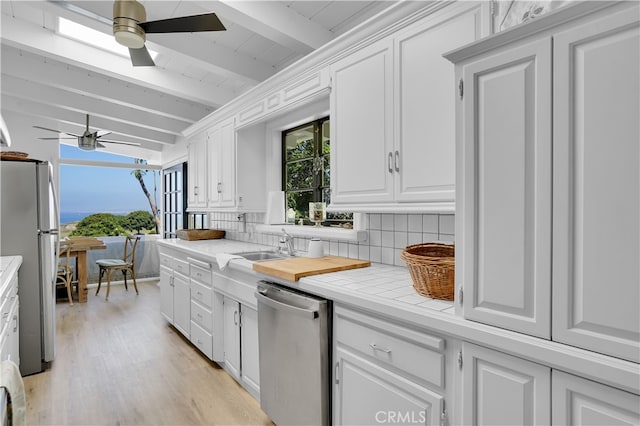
(388, 234)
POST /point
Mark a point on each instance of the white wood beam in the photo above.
(73, 79)
(95, 106)
(23, 35)
(149, 138)
(275, 22)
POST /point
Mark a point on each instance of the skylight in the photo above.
(94, 37)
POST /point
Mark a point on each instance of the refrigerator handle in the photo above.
(56, 215)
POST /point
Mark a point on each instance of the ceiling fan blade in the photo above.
(104, 134)
(99, 145)
(57, 131)
(54, 139)
(185, 24)
(141, 57)
(120, 142)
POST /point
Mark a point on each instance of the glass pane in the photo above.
(326, 175)
(173, 181)
(325, 137)
(299, 143)
(179, 223)
(299, 203)
(300, 175)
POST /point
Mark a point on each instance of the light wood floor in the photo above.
(119, 362)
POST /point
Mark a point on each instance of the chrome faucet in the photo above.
(286, 239)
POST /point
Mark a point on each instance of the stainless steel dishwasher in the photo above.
(293, 331)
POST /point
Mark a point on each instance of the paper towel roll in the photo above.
(275, 208)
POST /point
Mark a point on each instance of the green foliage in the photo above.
(109, 225)
(138, 220)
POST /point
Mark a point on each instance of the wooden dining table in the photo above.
(79, 248)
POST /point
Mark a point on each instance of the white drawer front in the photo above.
(201, 316)
(202, 275)
(166, 260)
(201, 339)
(399, 351)
(181, 266)
(203, 294)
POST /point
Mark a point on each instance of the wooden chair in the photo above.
(126, 264)
(65, 271)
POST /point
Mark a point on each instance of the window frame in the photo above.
(169, 231)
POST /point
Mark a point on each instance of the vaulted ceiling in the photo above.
(54, 80)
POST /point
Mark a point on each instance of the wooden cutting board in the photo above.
(294, 268)
(199, 234)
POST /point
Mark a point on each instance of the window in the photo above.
(306, 175)
(105, 194)
(175, 202)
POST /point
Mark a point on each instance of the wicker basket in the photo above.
(432, 268)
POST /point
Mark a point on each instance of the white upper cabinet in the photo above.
(221, 161)
(361, 126)
(424, 107)
(505, 163)
(197, 172)
(548, 178)
(596, 238)
(393, 115)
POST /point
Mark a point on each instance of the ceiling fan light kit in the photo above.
(130, 28)
(126, 17)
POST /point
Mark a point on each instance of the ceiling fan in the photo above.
(130, 29)
(88, 141)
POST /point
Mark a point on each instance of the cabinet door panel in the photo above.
(227, 163)
(181, 304)
(166, 293)
(369, 394)
(232, 337)
(197, 172)
(596, 235)
(425, 111)
(499, 389)
(577, 401)
(249, 349)
(361, 126)
(507, 156)
(214, 138)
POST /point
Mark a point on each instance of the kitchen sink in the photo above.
(259, 256)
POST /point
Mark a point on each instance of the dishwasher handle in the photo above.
(309, 313)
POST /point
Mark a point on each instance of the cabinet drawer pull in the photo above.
(390, 160)
(378, 348)
(397, 161)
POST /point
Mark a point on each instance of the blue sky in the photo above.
(102, 189)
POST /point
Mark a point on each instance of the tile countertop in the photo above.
(8, 266)
(380, 288)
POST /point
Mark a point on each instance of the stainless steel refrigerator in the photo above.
(29, 223)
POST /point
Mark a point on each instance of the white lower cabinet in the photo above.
(385, 373)
(249, 356)
(232, 336)
(175, 290)
(201, 303)
(500, 389)
(235, 327)
(367, 393)
(577, 401)
(9, 322)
